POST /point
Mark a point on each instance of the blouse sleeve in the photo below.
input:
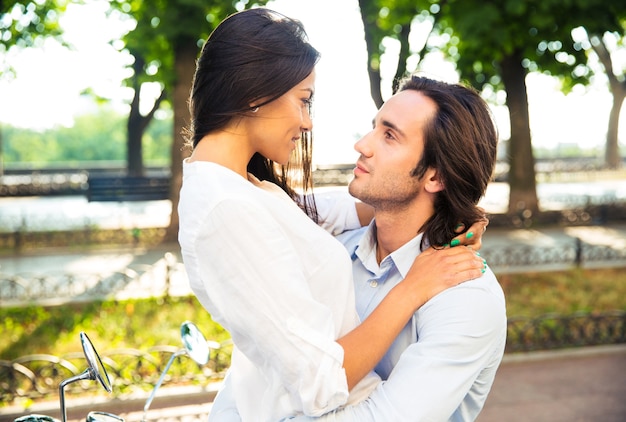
(259, 293)
(336, 211)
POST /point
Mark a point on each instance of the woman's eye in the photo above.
(308, 103)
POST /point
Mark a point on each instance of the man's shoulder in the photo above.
(351, 238)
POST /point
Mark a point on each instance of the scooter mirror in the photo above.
(103, 417)
(36, 418)
(195, 343)
(97, 370)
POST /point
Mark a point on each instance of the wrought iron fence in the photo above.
(574, 254)
(26, 240)
(36, 376)
(156, 279)
(50, 288)
(562, 331)
(131, 370)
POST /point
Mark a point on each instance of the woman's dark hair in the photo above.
(254, 55)
(460, 142)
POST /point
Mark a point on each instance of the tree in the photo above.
(25, 25)
(137, 123)
(388, 19)
(495, 44)
(499, 42)
(617, 86)
(168, 37)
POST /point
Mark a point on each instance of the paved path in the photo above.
(579, 385)
(107, 261)
(583, 385)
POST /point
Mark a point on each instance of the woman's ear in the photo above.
(433, 183)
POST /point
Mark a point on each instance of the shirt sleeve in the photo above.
(336, 211)
(462, 330)
(259, 293)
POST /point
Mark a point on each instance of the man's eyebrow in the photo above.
(390, 125)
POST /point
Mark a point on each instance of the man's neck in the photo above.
(394, 228)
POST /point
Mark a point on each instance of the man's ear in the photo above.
(433, 183)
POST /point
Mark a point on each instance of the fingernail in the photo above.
(483, 270)
(445, 245)
(469, 235)
(478, 253)
(458, 226)
(455, 242)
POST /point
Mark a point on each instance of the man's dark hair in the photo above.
(460, 142)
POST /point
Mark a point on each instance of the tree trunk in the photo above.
(134, 130)
(612, 156)
(405, 52)
(185, 55)
(373, 66)
(523, 200)
(618, 90)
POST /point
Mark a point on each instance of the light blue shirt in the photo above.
(443, 364)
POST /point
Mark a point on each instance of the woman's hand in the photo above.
(473, 237)
(436, 270)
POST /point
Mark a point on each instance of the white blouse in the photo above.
(280, 284)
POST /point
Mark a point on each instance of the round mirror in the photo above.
(97, 368)
(194, 342)
(103, 417)
(36, 418)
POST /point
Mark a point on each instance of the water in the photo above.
(75, 212)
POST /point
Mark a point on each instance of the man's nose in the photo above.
(362, 146)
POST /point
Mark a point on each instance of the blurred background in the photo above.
(93, 99)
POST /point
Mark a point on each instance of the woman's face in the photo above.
(277, 126)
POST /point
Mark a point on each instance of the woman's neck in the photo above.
(227, 149)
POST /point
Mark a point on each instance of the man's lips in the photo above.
(360, 169)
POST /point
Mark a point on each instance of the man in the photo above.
(423, 168)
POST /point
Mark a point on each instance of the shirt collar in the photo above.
(402, 258)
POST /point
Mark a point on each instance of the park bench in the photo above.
(126, 188)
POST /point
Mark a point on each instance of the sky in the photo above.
(47, 89)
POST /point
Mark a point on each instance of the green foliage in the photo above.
(143, 323)
(485, 32)
(25, 24)
(564, 292)
(162, 26)
(97, 137)
(136, 323)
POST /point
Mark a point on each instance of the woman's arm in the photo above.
(432, 272)
(364, 212)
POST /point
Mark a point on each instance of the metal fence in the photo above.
(36, 376)
(51, 288)
(575, 253)
(156, 279)
(19, 240)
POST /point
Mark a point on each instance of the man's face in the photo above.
(391, 151)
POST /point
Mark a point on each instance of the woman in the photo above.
(256, 258)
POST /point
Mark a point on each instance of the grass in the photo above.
(138, 324)
(564, 292)
(141, 324)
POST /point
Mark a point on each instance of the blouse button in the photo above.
(373, 283)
